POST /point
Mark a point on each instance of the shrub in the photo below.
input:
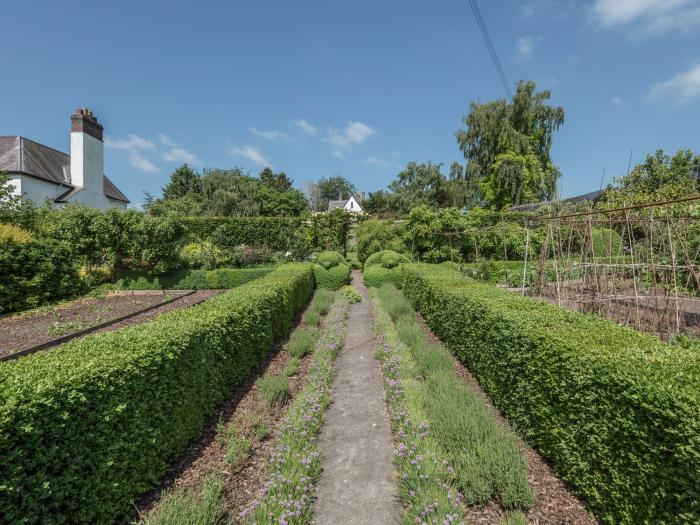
(35, 273)
(331, 270)
(89, 426)
(202, 255)
(14, 234)
(329, 259)
(352, 295)
(384, 267)
(606, 243)
(185, 279)
(614, 410)
(273, 388)
(292, 367)
(375, 235)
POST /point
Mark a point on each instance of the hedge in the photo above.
(616, 411)
(331, 270)
(90, 425)
(384, 267)
(187, 279)
(36, 272)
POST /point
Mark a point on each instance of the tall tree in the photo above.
(275, 181)
(313, 195)
(419, 184)
(507, 147)
(336, 187)
(183, 181)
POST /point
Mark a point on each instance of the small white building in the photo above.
(39, 172)
(350, 205)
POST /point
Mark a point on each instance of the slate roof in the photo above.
(21, 155)
(332, 205)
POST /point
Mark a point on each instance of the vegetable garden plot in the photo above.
(47, 325)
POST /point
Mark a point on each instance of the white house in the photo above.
(39, 173)
(350, 205)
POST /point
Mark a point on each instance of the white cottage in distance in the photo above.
(350, 205)
(39, 172)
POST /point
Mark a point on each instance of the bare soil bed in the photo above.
(54, 324)
(554, 503)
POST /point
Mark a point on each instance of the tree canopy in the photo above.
(507, 147)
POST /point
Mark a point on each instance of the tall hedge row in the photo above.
(616, 411)
(87, 427)
(189, 279)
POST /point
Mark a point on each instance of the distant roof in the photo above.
(533, 206)
(332, 205)
(21, 155)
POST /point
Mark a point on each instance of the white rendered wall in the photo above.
(38, 190)
(87, 162)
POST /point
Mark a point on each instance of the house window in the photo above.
(352, 204)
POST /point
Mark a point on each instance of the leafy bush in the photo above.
(14, 234)
(202, 255)
(606, 243)
(329, 259)
(375, 235)
(352, 295)
(613, 409)
(331, 270)
(247, 255)
(35, 272)
(384, 267)
(89, 426)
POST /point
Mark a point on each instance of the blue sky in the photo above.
(360, 88)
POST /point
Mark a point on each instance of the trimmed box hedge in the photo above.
(89, 426)
(331, 270)
(616, 411)
(384, 267)
(187, 279)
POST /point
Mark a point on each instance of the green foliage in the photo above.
(275, 181)
(330, 230)
(183, 181)
(273, 389)
(333, 188)
(94, 423)
(606, 243)
(507, 147)
(384, 267)
(292, 367)
(419, 184)
(185, 279)
(375, 235)
(329, 259)
(35, 272)
(185, 506)
(10, 233)
(613, 409)
(203, 255)
(352, 295)
(320, 304)
(301, 342)
(237, 452)
(353, 261)
(331, 270)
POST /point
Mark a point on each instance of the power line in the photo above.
(489, 45)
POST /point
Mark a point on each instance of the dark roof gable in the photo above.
(21, 155)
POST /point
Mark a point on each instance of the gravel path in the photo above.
(357, 486)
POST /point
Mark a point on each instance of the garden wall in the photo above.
(616, 411)
(87, 427)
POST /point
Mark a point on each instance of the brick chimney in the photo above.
(86, 152)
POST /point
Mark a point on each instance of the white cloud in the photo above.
(525, 46)
(679, 89)
(376, 161)
(343, 139)
(648, 16)
(269, 135)
(617, 101)
(180, 155)
(141, 162)
(165, 140)
(307, 128)
(252, 154)
(130, 143)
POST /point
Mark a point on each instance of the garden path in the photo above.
(357, 486)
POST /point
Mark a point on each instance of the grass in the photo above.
(319, 306)
(191, 507)
(292, 367)
(484, 453)
(295, 461)
(237, 451)
(273, 389)
(302, 342)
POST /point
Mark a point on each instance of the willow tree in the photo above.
(507, 147)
